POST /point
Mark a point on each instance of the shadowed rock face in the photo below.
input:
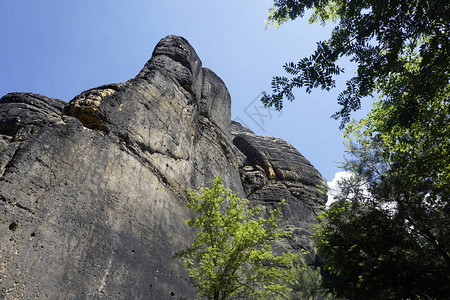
(93, 192)
(273, 170)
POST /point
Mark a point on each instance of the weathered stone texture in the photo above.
(93, 192)
(274, 171)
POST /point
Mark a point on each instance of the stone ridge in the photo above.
(93, 192)
(23, 109)
(273, 170)
(175, 57)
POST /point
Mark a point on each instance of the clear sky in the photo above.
(61, 48)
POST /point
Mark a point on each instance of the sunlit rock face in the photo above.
(93, 192)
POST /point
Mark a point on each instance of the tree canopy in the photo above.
(385, 39)
(232, 256)
(388, 235)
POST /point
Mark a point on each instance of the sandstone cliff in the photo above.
(93, 192)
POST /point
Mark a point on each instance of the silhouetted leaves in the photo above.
(375, 35)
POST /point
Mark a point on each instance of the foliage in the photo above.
(232, 256)
(386, 39)
(388, 235)
(306, 283)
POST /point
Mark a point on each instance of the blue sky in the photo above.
(60, 48)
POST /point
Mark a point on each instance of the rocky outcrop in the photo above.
(93, 192)
(273, 171)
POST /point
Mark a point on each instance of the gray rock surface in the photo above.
(93, 192)
(273, 171)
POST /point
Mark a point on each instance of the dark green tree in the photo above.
(232, 257)
(378, 36)
(388, 235)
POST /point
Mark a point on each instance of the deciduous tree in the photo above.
(388, 235)
(378, 36)
(232, 256)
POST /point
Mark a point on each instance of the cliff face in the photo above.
(93, 192)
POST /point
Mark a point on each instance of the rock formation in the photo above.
(93, 192)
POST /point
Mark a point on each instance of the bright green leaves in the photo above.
(324, 12)
(306, 283)
(392, 217)
(232, 255)
(387, 237)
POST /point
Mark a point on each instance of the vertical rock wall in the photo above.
(93, 192)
